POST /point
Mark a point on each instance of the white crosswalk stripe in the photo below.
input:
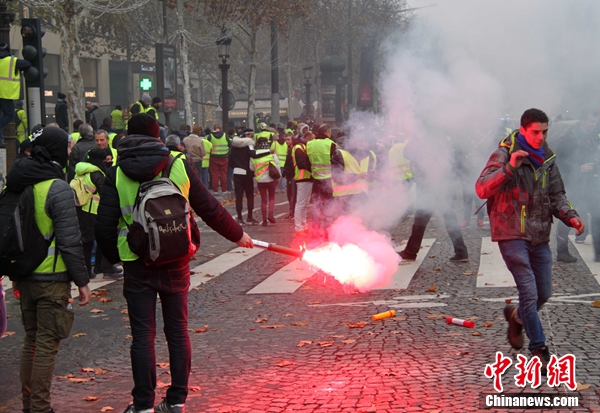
(492, 269)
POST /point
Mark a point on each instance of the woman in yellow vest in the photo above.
(266, 184)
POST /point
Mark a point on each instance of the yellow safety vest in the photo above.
(86, 169)
(207, 148)
(264, 134)
(53, 262)
(75, 136)
(400, 164)
(261, 165)
(21, 114)
(220, 146)
(10, 78)
(319, 154)
(128, 189)
(117, 118)
(299, 174)
(353, 167)
(281, 150)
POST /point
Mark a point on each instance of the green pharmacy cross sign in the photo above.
(146, 84)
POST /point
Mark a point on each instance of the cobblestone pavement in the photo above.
(414, 362)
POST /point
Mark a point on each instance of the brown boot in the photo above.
(515, 330)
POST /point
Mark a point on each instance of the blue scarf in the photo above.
(536, 156)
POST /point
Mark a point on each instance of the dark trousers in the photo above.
(7, 114)
(422, 218)
(218, 171)
(267, 191)
(322, 203)
(140, 294)
(47, 318)
(291, 195)
(562, 235)
(244, 184)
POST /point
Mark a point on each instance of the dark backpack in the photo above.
(22, 246)
(164, 229)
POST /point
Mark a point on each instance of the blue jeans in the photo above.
(7, 110)
(140, 294)
(531, 267)
(204, 176)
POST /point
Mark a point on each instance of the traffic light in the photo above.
(32, 33)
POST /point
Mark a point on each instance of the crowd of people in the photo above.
(324, 172)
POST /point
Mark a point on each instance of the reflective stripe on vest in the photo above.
(10, 79)
(299, 174)
(220, 145)
(399, 162)
(352, 167)
(319, 154)
(261, 165)
(281, 150)
(53, 262)
(128, 189)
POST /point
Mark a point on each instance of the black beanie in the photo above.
(50, 143)
(143, 124)
(61, 95)
(156, 99)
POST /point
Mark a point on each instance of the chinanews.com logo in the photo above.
(560, 370)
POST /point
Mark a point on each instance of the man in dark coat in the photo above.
(142, 157)
(61, 112)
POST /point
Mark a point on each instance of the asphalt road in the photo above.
(312, 352)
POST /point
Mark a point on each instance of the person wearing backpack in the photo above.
(46, 290)
(142, 158)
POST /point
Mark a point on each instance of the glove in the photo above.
(578, 224)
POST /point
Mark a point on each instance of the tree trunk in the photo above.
(70, 48)
(185, 67)
(290, 85)
(129, 53)
(252, 80)
(319, 110)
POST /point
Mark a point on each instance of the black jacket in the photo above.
(61, 113)
(240, 154)
(60, 208)
(83, 145)
(141, 159)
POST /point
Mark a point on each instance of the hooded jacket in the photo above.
(142, 158)
(59, 207)
(242, 149)
(522, 201)
(61, 112)
(83, 145)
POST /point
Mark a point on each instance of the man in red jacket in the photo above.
(524, 188)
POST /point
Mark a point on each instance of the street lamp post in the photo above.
(223, 43)
(307, 77)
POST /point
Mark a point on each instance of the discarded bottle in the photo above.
(458, 321)
(385, 314)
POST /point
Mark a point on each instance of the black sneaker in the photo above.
(272, 220)
(544, 355)
(241, 222)
(459, 258)
(264, 224)
(164, 407)
(406, 256)
(515, 330)
(566, 257)
(252, 221)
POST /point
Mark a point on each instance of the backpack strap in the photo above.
(167, 169)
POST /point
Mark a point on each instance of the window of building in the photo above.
(89, 71)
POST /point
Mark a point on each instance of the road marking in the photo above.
(492, 267)
(286, 280)
(407, 269)
(588, 256)
(94, 284)
(414, 301)
(217, 266)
